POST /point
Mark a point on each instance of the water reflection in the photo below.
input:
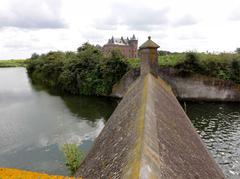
(219, 126)
(35, 123)
(90, 108)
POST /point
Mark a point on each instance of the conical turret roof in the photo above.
(149, 44)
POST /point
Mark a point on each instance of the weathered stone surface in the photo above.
(109, 154)
(202, 88)
(149, 136)
(120, 88)
(196, 87)
(149, 57)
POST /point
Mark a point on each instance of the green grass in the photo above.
(134, 62)
(173, 59)
(13, 63)
(73, 157)
(170, 60)
(220, 58)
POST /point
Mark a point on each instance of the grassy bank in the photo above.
(13, 63)
(166, 60)
(223, 66)
(86, 72)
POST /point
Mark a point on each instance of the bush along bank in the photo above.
(223, 66)
(85, 72)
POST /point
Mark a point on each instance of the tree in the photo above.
(189, 65)
(88, 46)
(34, 56)
(237, 50)
(235, 73)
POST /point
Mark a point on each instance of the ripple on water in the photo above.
(34, 124)
(219, 126)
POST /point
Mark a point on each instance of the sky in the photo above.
(32, 26)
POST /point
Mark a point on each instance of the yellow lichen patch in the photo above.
(9, 173)
(132, 170)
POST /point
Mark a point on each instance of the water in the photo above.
(34, 124)
(219, 126)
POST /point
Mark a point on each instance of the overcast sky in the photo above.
(28, 26)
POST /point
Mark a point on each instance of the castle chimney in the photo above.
(149, 57)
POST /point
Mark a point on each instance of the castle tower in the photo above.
(133, 42)
(149, 57)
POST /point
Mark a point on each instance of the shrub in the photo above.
(86, 72)
(112, 69)
(235, 72)
(190, 64)
(73, 157)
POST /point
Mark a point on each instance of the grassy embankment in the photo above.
(13, 63)
(165, 61)
(224, 66)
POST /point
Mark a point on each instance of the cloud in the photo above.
(185, 21)
(191, 36)
(30, 14)
(20, 45)
(92, 35)
(235, 15)
(133, 16)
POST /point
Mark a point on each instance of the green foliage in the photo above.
(190, 65)
(34, 56)
(13, 63)
(46, 68)
(237, 50)
(163, 52)
(170, 60)
(134, 62)
(86, 72)
(235, 72)
(73, 157)
(224, 65)
(89, 72)
(112, 69)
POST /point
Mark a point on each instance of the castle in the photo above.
(127, 46)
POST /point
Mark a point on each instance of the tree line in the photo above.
(85, 72)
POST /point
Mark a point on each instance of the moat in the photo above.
(35, 123)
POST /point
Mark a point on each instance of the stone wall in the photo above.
(196, 87)
(149, 136)
(201, 88)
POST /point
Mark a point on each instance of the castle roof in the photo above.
(149, 44)
(121, 41)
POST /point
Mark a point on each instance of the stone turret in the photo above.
(149, 57)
